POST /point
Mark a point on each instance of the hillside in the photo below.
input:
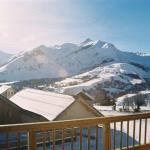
(4, 57)
(68, 59)
(106, 82)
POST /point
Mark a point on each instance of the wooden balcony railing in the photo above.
(119, 132)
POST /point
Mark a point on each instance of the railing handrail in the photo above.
(32, 128)
(71, 123)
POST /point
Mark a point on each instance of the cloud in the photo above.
(3, 35)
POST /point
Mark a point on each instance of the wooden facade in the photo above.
(77, 110)
(11, 113)
(7, 91)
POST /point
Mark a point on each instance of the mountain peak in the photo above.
(86, 41)
(109, 45)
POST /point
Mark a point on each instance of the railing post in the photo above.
(31, 140)
(106, 143)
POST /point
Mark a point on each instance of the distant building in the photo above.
(7, 91)
(50, 106)
(130, 101)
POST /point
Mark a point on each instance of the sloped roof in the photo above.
(21, 110)
(47, 104)
(121, 99)
(3, 88)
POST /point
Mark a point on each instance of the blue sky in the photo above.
(25, 24)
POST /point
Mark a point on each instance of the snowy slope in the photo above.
(113, 78)
(66, 60)
(4, 57)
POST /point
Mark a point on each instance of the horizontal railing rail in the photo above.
(100, 133)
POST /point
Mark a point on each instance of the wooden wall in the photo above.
(12, 114)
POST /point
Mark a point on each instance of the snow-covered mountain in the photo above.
(69, 59)
(112, 77)
(4, 57)
(106, 82)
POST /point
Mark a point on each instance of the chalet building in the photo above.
(30, 105)
(10, 113)
(7, 91)
(83, 95)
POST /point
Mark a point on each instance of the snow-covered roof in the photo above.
(145, 92)
(108, 111)
(4, 88)
(120, 99)
(125, 96)
(47, 104)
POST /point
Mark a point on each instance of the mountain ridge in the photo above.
(4, 57)
(66, 60)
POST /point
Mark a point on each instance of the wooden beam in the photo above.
(138, 147)
(42, 126)
(106, 143)
(31, 140)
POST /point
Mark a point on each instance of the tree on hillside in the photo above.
(147, 100)
(139, 100)
(134, 101)
(126, 103)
